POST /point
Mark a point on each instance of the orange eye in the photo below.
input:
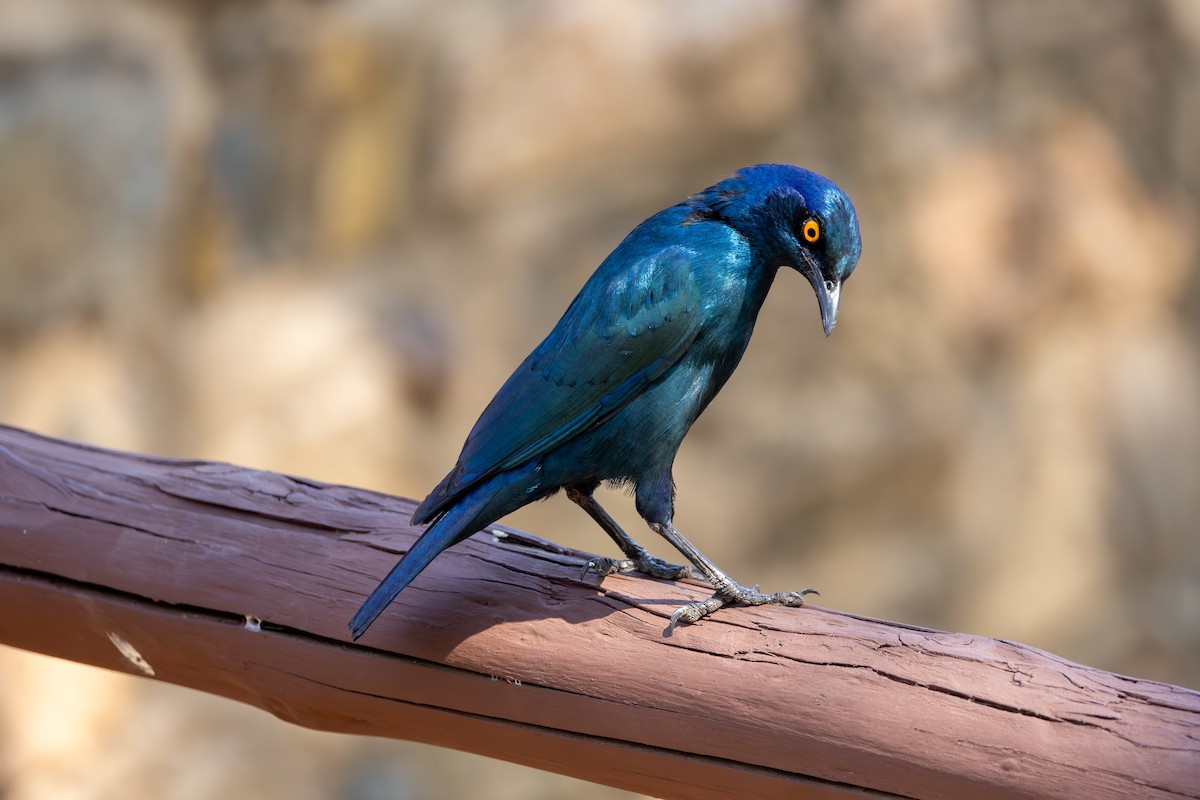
(811, 230)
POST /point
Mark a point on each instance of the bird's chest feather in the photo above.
(730, 309)
(653, 425)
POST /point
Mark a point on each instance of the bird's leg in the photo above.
(727, 592)
(637, 558)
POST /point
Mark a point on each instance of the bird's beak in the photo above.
(828, 293)
(828, 297)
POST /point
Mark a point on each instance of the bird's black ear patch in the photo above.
(787, 208)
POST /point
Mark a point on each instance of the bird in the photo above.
(608, 396)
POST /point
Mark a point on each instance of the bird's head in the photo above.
(795, 218)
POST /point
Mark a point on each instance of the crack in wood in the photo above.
(181, 558)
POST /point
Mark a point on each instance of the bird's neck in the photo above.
(759, 279)
(731, 336)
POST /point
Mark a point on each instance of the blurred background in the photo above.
(316, 237)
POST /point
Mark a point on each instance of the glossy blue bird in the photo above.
(643, 348)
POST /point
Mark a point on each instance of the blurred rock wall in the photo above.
(316, 237)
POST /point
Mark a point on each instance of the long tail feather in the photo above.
(479, 507)
(432, 542)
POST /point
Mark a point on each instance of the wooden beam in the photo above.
(240, 583)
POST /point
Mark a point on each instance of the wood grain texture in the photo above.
(137, 563)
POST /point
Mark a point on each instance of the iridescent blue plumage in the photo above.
(646, 344)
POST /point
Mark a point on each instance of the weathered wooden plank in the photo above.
(499, 648)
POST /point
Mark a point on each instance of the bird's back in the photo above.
(634, 322)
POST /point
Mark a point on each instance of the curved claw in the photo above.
(603, 566)
(693, 612)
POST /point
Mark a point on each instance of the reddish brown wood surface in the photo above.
(136, 563)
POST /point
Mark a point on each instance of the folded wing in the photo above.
(627, 327)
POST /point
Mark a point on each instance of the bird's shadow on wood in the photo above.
(505, 577)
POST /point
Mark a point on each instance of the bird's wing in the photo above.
(623, 331)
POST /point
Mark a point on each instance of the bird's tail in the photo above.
(437, 538)
(479, 507)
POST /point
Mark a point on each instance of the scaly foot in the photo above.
(735, 595)
(645, 563)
